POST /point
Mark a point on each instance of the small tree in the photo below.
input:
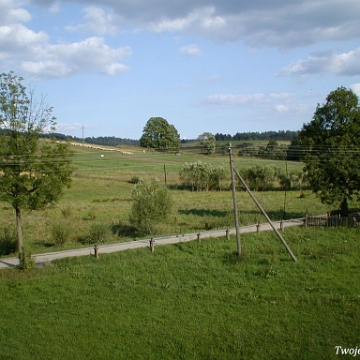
(32, 172)
(151, 203)
(208, 142)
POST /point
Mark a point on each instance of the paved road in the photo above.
(48, 257)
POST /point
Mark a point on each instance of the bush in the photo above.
(8, 242)
(151, 203)
(135, 179)
(60, 234)
(259, 177)
(98, 233)
(202, 176)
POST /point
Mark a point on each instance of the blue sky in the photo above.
(204, 65)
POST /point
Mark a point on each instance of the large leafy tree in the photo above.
(33, 172)
(159, 134)
(208, 142)
(331, 143)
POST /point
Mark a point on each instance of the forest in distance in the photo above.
(281, 135)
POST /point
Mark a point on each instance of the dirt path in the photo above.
(6, 263)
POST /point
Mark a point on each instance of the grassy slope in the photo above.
(190, 301)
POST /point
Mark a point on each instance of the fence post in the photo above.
(152, 244)
(258, 228)
(306, 220)
(281, 225)
(96, 252)
(198, 237)
(227, 234)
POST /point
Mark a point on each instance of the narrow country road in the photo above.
(6, 263)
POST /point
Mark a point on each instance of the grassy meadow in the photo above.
(101, 194)
(190, 301)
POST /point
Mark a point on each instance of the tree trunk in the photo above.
(344, 208)
(19, 230)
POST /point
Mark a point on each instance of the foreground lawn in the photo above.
(190, 301)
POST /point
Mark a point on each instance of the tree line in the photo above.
(285, 135)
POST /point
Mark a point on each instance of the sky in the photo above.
(219, 66)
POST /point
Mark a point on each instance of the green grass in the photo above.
(101, 193)
(190, 301)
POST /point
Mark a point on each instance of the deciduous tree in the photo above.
(33, 172)
(159, 134)
(332, 141)
(208, 142)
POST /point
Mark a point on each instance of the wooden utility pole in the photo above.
(266, 216)
(236, 215)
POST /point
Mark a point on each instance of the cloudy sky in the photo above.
(222, 66)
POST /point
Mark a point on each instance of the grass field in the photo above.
(101, 193)
(190, 301)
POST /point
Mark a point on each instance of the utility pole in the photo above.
(266, 215)
(236, 215)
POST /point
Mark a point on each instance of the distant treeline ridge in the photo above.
(266, 135)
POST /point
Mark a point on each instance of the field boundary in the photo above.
(6, 263)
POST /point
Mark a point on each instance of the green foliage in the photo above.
(135, 179)
(7, 242)
(208, 142)
(158, 134)
(331, 142)
(25, 261)
(259, 177)
(32, 173)
(202, 176)
(97, 233)
(151, 204)
(60, 233)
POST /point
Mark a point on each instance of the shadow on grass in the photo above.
(204, 212)
(233, 258)
(123, 230)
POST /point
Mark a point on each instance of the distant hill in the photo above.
(101, 140)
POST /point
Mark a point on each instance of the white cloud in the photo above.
(355, 88)
(281, 103)
(89, 55)
(279, 23)
(191, 50)
(10, 13)
(32, 52)
(233, 99)
(97, 21)
(54, 8)
(326, 62)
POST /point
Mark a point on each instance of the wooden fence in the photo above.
(334, 219)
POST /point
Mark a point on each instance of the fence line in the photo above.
(333, 219)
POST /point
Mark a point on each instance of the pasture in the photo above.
(101, 194)
(190, 301)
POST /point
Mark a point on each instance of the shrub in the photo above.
(202, 176)
(151, 203)
(98, 233)
(60, 234)
(135, 179)
(259, 177)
